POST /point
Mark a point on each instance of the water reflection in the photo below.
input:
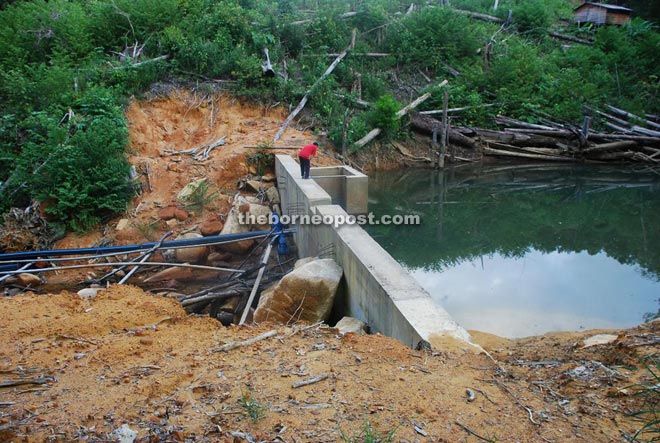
(522, 250)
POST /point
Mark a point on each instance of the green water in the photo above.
(519, 250)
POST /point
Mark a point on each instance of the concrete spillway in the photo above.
(377, 289)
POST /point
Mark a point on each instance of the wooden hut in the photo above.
(601, 14)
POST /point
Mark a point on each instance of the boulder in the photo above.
(305, 294)
(123, 224)
(253, 185)
(599, 339)
(211, 227)
(195, 254)
(215, 257)
(167, 213)
(273, 195)
(350, 324)
(262, 216)
(233, 226)
(303, 261)
(269, 177)
(26, 279)
(181, 214)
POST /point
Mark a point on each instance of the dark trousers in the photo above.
(304, 167)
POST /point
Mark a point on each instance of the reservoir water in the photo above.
(520, 250)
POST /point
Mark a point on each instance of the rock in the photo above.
(307, 294)
(146, 341)
(244, 208)
(88, 293)
(269, 177)
(253, 185)
(167, 213)
(172, 223)
(176, 273)
(124, 434)
(262, 217)
(189, 189)
(273, 195)
(27, 279)
(211, 228)
(122, 224)
(233, 226)
(600, 339)
(181, 214)
(350, 324)
(303, 261)
(196, 254)
(215, 257)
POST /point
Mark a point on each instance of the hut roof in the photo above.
(605, 6)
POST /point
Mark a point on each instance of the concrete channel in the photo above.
(376, 289)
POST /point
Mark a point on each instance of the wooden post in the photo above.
(445, 129)
(344, 134)
(435, 151)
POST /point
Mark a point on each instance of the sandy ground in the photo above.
(79, 370)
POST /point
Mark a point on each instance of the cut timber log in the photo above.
(625, 144)
(426, 124)
(478, 16)
(327, 72)
(498, 152)
(570, 38)
(400, 113)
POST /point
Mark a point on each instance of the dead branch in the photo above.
(238, 344)
(145, 62)
(327, 72)
(470, 431)
(310, 381)
(27, 381)
(200, 153)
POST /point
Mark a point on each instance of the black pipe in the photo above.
(227, 238)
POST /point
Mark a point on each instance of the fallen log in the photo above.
(615, 155)
(632, 116)
(610, 146)
(570, 38)
(498, 152)
(479, 16)
(303, 101)
(426, 124)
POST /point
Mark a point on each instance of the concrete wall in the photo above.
(378, 290)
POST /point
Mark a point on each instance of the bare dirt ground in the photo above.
(80, 370)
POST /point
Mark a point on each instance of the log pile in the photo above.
(636, 140)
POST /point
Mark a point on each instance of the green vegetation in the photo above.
(68, 67)
(649, 391)
(253, 408)
(367, 434)
(201, 197)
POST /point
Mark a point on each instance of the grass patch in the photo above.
(367, 434)
(649, 414)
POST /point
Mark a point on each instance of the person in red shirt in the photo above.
(305, 155)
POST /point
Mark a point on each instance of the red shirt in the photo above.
(307, 151)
